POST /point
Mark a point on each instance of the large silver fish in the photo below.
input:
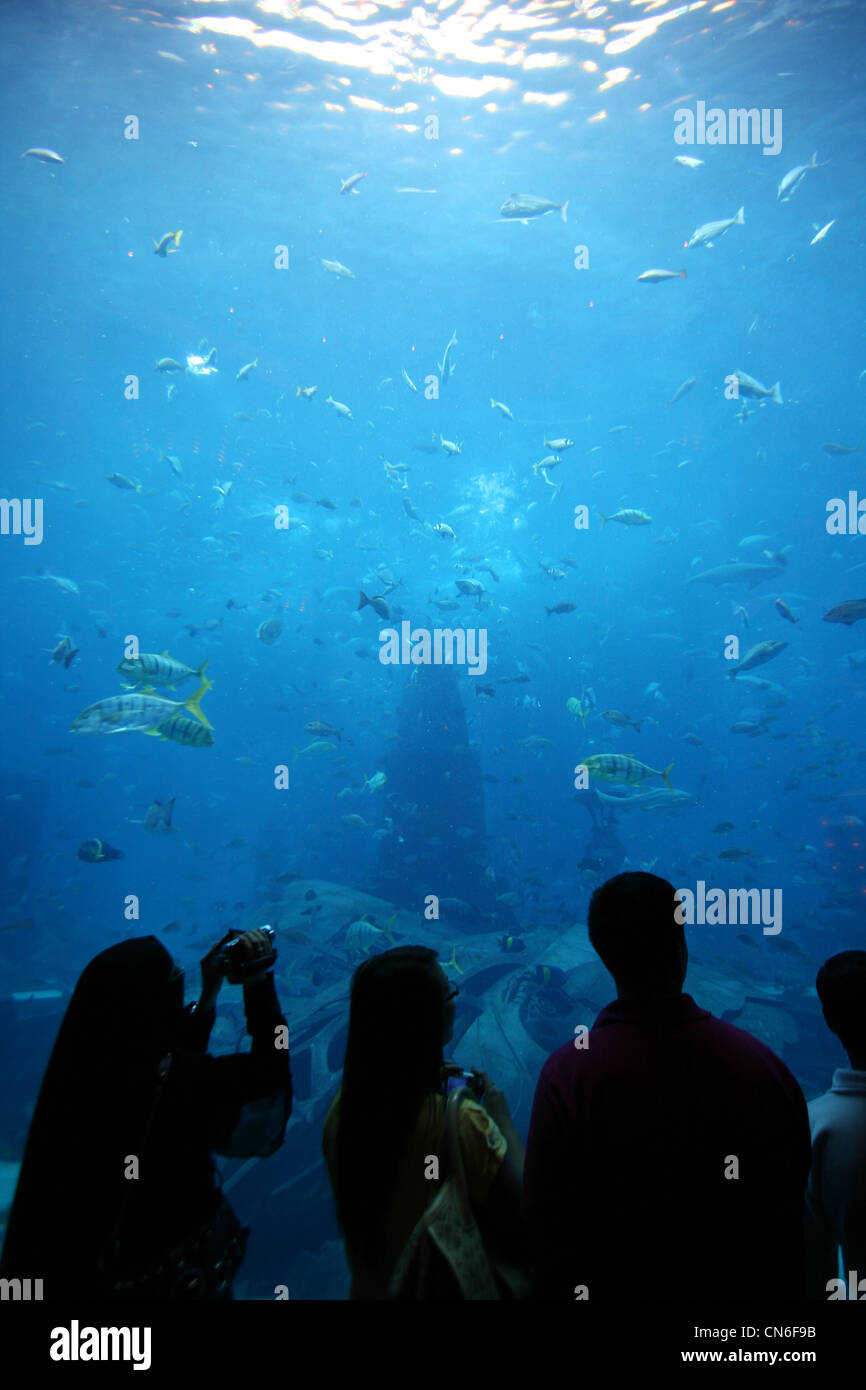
(657, 799)
(520, 207)
(736, 573)
(135, 713)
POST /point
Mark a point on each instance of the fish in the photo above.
(458, 908)
(735, 853)
(173, 462)
(151, 669)
(326, 502)
(320, 748)
(535, 744)
(97, 852)
(822, 232)
(408, 380)
(758, 656)
(849, 612)
(557, 445)
(169, 364)
(337, 269)
(269, 631)
(158, 815)
(627, 516)
(791, 181)
(167, 244)
(561, 608)
(349, 185)
(706, 234)
(65, 653)
(578, 709)
(355, 819)
(503, 409)
(342, 410)
(316, 726)
(377, 603)
(179, 728)
(18, 924)
(446, 366)
(444, 530)
(841, 450)
(748, 386)
(121, 714)
(521, 207)
(682, 390)
(308, 392)
(374, 783)
(362, 935)
(125, 484)
(46, 156)
(68, 586)
(738, 572)
(448, 445)
(246, 369)
(550, 461)
(784, 611)
(655, 277)
(511, 943)
(654, 799)
(622, 767)
(621, 720)
(470, 587)
(687, 161)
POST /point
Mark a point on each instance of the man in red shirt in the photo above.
(668, 1152)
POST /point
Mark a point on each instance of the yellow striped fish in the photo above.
(158, 668)
(622, 767)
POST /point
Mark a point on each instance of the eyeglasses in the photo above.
(453, 995)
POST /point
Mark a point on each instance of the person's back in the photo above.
(836, 1197)
(667, 1158)
(388, 1122)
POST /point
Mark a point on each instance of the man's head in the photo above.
(841, 986)
(633, 928)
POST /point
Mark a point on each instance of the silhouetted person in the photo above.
(836, 1196)
(77, 1222)
(389, 1115)
(633, 1140)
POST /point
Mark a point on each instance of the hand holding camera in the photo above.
(242, 960)
(248, 958)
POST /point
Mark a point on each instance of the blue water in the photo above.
(244, 146)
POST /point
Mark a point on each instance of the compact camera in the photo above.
(237, 966)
